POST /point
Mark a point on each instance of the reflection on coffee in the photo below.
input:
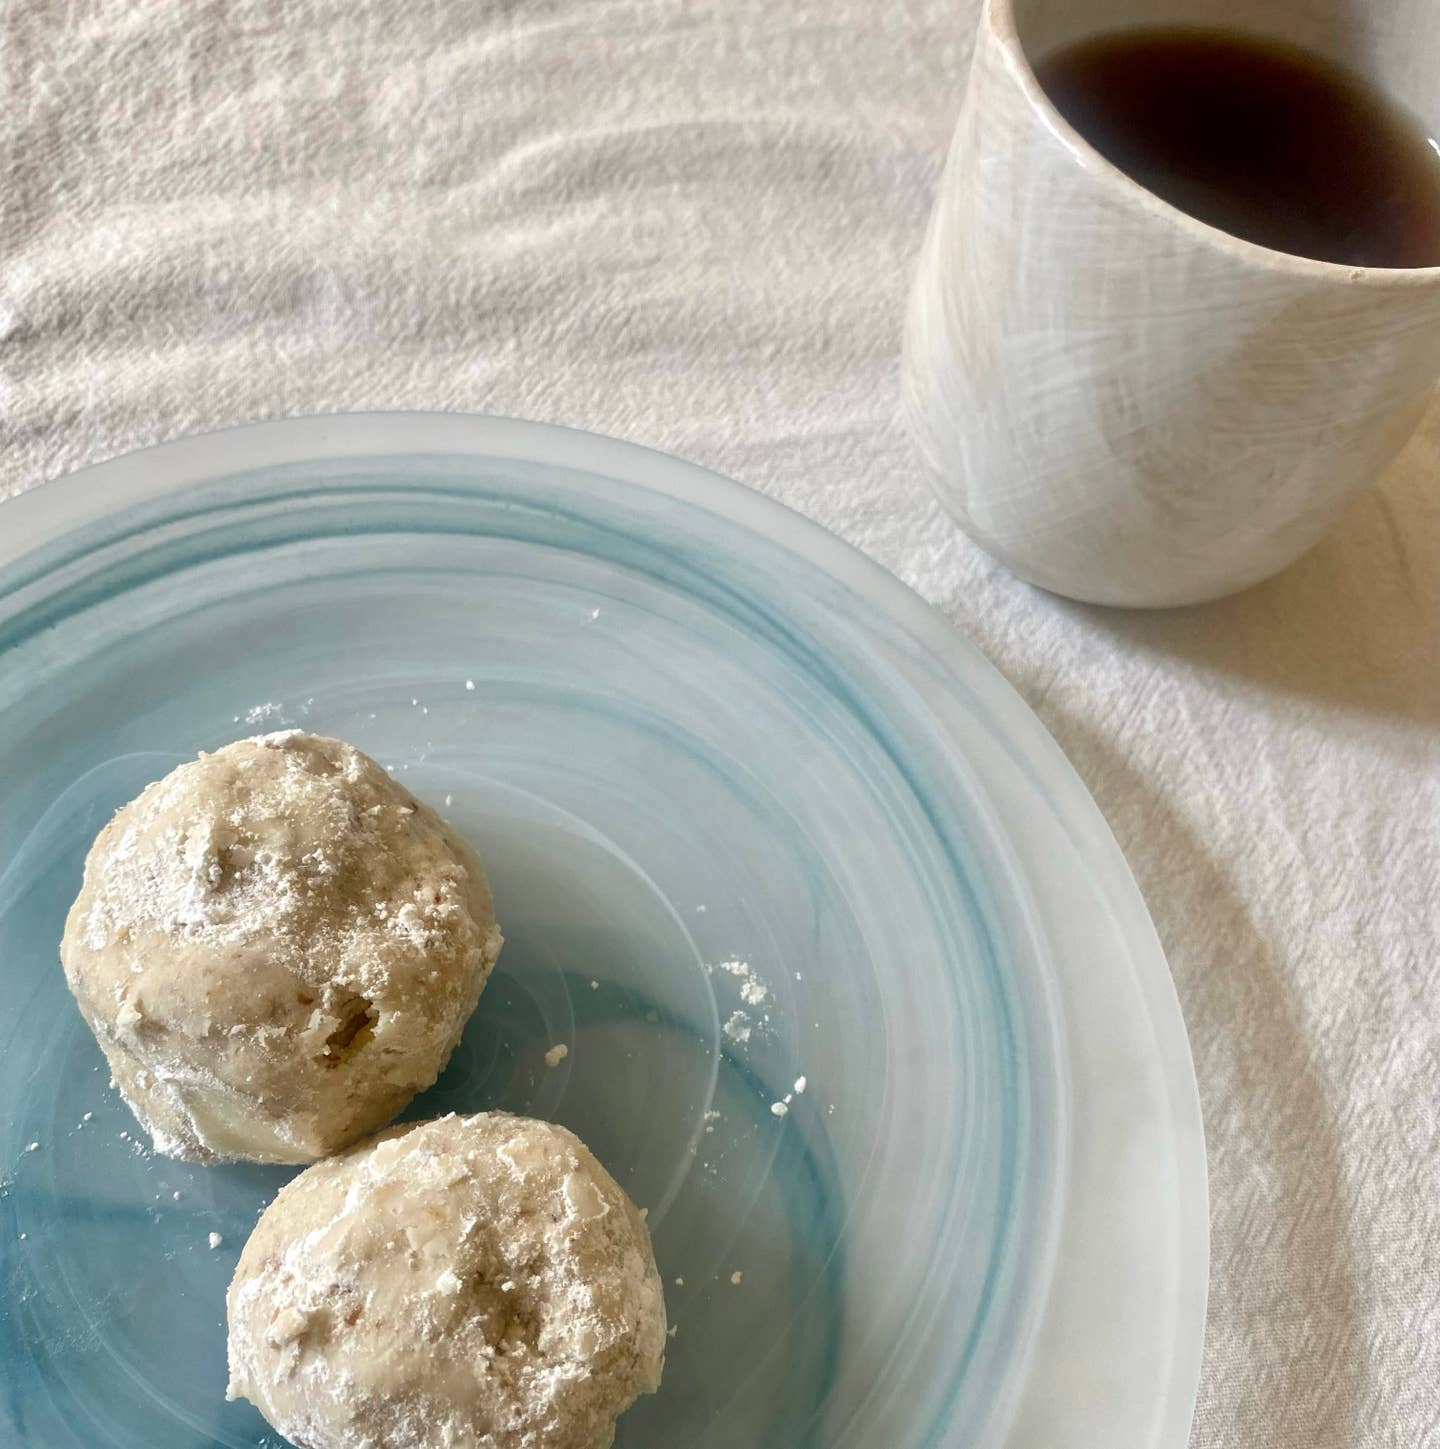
(1261, 139)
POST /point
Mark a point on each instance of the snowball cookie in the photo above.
(277, 946)
(469, 1282)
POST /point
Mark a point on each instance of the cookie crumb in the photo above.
(679, 1282)
(556, 1054)
(736, 1278)
(737, 1028)
(33, 1147)
(594, 986)
(800, 1085)
(469, 684)
(779, 1108)
(216, 1240)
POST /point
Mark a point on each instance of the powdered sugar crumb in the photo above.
(216, 1240)
(737, 1028)
(753, 1012)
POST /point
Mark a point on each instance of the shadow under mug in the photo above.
(1124, 404)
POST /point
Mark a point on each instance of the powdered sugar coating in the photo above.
(277, 946)
(469, 1282)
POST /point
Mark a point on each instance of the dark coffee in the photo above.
(1260, 139)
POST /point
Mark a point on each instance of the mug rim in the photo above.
(1000, 16)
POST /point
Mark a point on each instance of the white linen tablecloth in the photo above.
(691, 223)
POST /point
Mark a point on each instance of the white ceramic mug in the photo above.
(1120, 402)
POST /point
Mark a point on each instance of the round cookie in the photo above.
(277, 946)
(475, 1282)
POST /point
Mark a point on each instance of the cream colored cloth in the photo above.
(691, 223)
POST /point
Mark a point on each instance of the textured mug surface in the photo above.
(1122, 403)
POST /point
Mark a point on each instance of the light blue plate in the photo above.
(751, 813)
